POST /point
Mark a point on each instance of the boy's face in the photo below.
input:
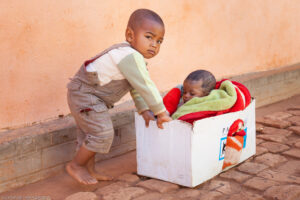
(192, 89)
(146, 38)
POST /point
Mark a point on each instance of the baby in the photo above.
(199, 83)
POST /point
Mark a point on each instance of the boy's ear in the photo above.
(129, 34)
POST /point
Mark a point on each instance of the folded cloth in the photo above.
(172, 99)
(229, 96)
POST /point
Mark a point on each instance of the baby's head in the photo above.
(198, 84)
(145, 32)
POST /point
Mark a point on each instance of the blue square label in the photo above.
(222, 148)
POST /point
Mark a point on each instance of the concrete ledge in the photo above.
(34, 153)
(273, 85)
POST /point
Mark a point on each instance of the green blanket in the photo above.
(217, 100)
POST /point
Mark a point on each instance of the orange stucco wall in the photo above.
(43, 43)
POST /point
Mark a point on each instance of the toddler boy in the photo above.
(103, 80)
(198, 83)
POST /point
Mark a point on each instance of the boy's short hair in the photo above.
(207, 78)
(139, 15)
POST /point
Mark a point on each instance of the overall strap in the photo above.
(115, 46)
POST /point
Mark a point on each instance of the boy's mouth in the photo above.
(151, 52)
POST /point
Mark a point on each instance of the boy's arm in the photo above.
(142, 107)
(139, 102)
(134, 69)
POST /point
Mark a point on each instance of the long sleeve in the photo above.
(134, 69)
(139, 102)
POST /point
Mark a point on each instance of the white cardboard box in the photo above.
(189, 155)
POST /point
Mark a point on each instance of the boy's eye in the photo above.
(159, 41)
(148, 36)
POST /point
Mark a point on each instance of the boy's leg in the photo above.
(77, 167)
(91, 168)
(95, 133)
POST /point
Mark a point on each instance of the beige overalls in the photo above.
(89, 103)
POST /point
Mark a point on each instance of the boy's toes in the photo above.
(92, 181)
(80, 174)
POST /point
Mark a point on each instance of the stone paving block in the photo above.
(58, 154)
(293, 152)
(292, 140)
(235, 175)
(259, 183)
(260, 150)
(273, 123)
(275, 147)
(127, 193)
(278, 115)
(244, 195)
(251, 167)
(297, 144)
(270, 159)
(273, 138)
(224, 187)
(295, 129)
(83, 196)
(291, 167)
(130, 178)
(259, 141)
(150, 196)
(294, 112)
(168, 197)
(279, 176)
(295, 107)
(211, 195)
(187, 193)
(283, 192)
(158, 185)
(276, 131)
(295, 120)
(259, 127)
(111, 188)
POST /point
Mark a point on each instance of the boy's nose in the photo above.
(154, 44)
(186, 97)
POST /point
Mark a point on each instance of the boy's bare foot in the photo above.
(80, 174)
(100, 177)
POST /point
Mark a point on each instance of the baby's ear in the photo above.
(129, 34)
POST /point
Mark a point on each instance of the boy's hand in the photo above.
(147, 115)
(161, 118)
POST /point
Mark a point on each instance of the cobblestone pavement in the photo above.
(273, 173)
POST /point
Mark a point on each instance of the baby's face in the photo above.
(147, 38)
(192, 89)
